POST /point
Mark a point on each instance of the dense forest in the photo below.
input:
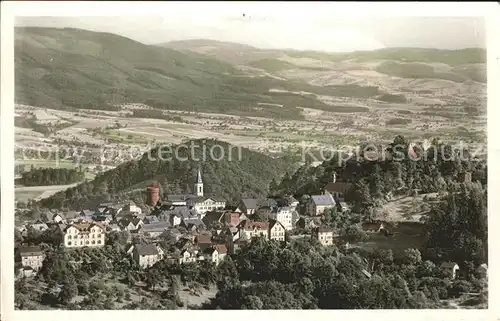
(238, 173)
(393, 171)
(51, 176)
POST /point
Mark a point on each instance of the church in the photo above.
(200, 202)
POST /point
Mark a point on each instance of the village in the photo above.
(201, 227)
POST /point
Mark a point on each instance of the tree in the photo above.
(68, 292)
(273, 187)
(412, 257)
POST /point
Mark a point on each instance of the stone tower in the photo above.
(198, 185)
(153, 194)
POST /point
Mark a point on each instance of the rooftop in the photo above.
(146, 249)
(323, 199)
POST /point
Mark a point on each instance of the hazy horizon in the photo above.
(273, 32)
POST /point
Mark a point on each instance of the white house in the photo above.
(324, 235)
(132, 207)
(276, 231)
(146, 255)
(284, 216)
(215, 254)
(31, 258)
(248, 229)
(207, 204)
(84, 235)
(319, 203)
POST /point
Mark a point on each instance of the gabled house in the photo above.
(130, 206)
(131, 225)
(103, 219)
(40, 227)
(324, 235)
(276, 231)
(450, 268)
(232, 218)
(215, 254)
(212, 218)
(249, 229)
(50, 217)
(203, 240)
(337, 189)
(104, 208)
(250, 206)
(204, 204)
(319, 203)
(155, 229)
(30, 258)
(84, 235)
(287, 201)
(146, 255)
(284, 216)
(189, 255)
(193, 224)
(150, 219)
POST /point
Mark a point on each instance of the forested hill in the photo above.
(240, 172)
(435, 169)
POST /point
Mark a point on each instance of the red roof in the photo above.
(204, 238)
(337, 187)
(250, 225)
(220, 248)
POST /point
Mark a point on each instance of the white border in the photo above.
(333, 9)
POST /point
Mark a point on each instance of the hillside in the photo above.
(414, 63)
(74, 69)
(231, 177)
(234, 53)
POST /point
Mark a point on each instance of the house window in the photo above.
(69, 237)
(93, 242)
(98, 241)
(69, 243)
(86, 242)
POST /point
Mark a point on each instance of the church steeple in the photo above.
(198, 185)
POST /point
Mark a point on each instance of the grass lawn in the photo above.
(26, 195)
(403, 237)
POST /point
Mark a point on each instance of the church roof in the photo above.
(198, 178)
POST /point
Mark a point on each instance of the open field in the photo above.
(405, 213)
(25, 193)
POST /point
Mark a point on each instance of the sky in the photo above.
(302, 28)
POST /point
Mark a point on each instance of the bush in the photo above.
(458, 287)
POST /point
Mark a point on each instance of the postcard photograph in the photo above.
(246, 160)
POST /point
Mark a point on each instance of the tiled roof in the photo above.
(323, 229)
(250, 225)
(448, 264)
(272, 223)
(146, 249)
(337, 187)
(204, 238)
(221, 248)
(155, 227)
(30, 250)
(84, 226)
(323, 199)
